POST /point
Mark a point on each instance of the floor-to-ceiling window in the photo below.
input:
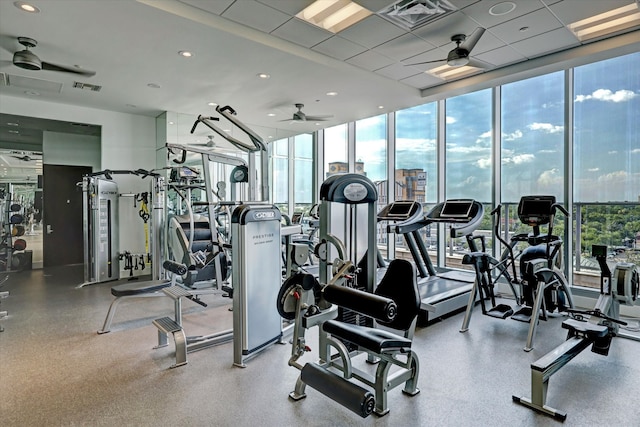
(280, 186)
(468, 165)
(416, 169)
(606, 155)
(335, 150)
(303, 172)
(532, 147)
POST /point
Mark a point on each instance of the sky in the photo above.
(606, 105)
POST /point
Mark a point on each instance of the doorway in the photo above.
(62, 215)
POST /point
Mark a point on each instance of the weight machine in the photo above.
(346, 328)
(102, 253)
(594, 328)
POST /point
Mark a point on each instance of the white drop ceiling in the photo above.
(131, 44)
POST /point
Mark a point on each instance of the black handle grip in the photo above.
(175, 267)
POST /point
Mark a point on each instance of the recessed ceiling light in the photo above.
(317, 124)
(333, 15)
(263, 75)
(332, 93)
(271, 114)
(211, 104)
(185, 54)
(26, 7)
(608, 22)
(171, 123)
(227, 130)
(503, 8)
(447, 72)
(154, 85)
(12, 124)
(380, 107)
(14, 131)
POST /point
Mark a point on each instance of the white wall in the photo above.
(127, 142)
(70, 149)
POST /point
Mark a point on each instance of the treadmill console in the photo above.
(464, 215)
(400, 211)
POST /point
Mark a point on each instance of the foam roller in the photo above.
(369, 304)
(346, 393)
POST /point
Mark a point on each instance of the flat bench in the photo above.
(145, 289)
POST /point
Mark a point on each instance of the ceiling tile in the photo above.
(339, 48)
(439, 32)
(370, 60)
(546, 43)
(290, 7)
(404, 47)
(479, 12)
(501, 56)
(538, 22)
(422, 80)
(372, 31)
(569, 11)
(397, 71)
(256, 15)
(300, 32)
(216, 7)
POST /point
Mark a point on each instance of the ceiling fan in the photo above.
(24, 158)
(299, 116)
(28, 60)
(459, 55)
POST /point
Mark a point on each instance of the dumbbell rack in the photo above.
(7, 250)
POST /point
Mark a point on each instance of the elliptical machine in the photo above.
(541, 286)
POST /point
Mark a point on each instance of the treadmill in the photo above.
(442, 291)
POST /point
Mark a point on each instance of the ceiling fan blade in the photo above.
(429, 62)
(67, 69)
(477, 63)
(471, 41)
(319, 118)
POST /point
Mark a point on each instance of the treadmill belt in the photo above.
(460, 276)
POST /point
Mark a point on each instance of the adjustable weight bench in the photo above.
(151, 288)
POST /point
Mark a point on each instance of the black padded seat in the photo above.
(585, 328)
(375, 340)
(138, 288)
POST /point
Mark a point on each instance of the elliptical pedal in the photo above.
(500, 311)
(523, 315)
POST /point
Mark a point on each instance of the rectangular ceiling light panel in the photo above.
(606, 23)
(446, 72)
(333, 15)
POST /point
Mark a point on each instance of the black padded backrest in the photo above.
(400, 284)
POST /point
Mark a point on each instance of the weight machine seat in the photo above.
(374, 340)
(139, 288)
(585, 328)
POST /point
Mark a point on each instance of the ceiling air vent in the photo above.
(412, 14)
(87, 86)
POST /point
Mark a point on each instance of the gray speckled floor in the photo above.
(55, 370)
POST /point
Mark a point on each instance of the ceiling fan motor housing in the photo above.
(27, 60)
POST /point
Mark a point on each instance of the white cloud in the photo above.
(547, 151)
(546, 127)
(551, 178)
(484, 163)
(517, 134)
(467, 149)
(593, 169)
(607, 96)
(451, 120)
(612, 152)
(635, 151)
(617, 176)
